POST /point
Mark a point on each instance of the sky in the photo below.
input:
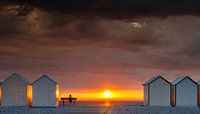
(88, 46)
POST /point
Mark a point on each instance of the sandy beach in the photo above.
(101, 110)
(59, 110)
(86, 113)
(153, 110)
(87, 110)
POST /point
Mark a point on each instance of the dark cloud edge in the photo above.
(118, 9)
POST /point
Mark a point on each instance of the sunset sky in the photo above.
(89, 46)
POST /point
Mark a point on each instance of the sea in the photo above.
(107, 103)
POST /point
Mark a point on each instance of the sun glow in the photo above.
(57, 95)
(107, 94)
(57, 92)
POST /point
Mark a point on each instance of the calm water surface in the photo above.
(107, 103)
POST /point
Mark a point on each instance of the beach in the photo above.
(86, 110)
(82, 107)
(58, 110)
(136, 109)
(153, 110)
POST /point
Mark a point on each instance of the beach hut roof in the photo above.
(1, 82)
(19, 76)
(181, 78)
(45, 76)
(154, 79)
(198, 82)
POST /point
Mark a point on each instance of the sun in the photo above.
(107, 94)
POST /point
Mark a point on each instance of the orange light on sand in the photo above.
(29, 94)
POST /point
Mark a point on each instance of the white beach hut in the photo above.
(157, 92)
(15, 91)
(184, 92)
(45, 92)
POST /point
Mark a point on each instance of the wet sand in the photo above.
(85, 113)
(59, 110)
(88, 110)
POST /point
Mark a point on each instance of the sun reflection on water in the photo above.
(107, 103)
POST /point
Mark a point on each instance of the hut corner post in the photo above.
(173, 96)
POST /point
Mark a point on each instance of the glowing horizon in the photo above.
(107, 94)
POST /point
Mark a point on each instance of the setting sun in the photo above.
(107, 94)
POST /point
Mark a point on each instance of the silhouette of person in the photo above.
(70, 99)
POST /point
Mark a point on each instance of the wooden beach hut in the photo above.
(157, 92)
(15, 91)
(184, 92)
(45, 92)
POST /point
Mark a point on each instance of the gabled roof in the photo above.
(154, 79)
(1, 82)
(181, 78)
(45, 76)
(198, 82)
(19, 76)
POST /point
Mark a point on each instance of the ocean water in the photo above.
(107, 103)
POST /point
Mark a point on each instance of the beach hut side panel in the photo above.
(159, 93)
(44, 93)
(198, 82)
(199, 96)
(14, 92)
(146, 94)
(186, 93)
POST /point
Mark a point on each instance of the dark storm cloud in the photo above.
(50, 28)
(115, 8)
